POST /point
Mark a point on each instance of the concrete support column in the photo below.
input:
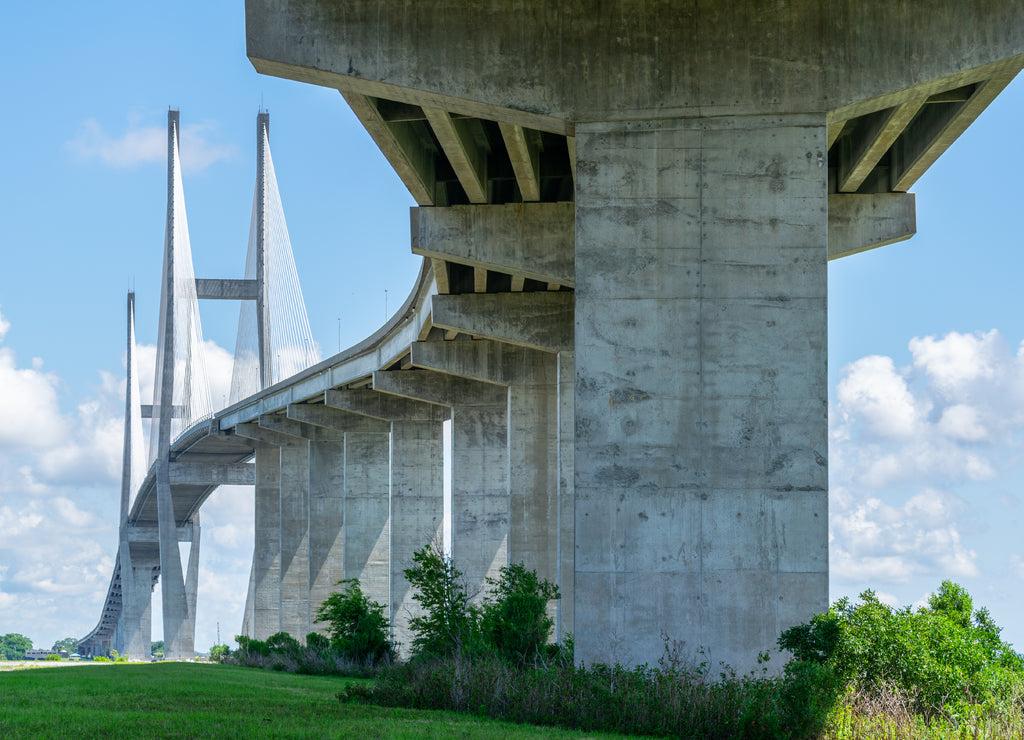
(326, 520)
(367, 541)
(530, 378)
(137, 614)
(416, 485)
(480, 502)
(479, 462)
(566, 524)
(294, 480)
(417, 509)
(192, 577)
(179, 631)
(266, 559)
(700, 396)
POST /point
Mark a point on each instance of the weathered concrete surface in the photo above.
(326, 523)
(532, 380)
(480, 465)
(857, 223)
(417, 510)
(534, 240)
(701, 429)
(537, 321)
(367, 537)
(556, 63)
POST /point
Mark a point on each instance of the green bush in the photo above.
(52, 656)
(513, 621)
(449, 624)
(358, 627)
(943, 657)
(219, 652)
(101, 659)
(281, 643)
(250, 647)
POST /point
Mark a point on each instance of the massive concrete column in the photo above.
(700, 404)
(416, 487)
(366, 513)
(266, 559)
(566, 522)
(531, 377)
(348, 516)
(137, 617)
(480, 505)
(326, 523)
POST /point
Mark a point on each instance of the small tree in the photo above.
(69, 644)
(514, 619)
(219, 652)
(449, 623)
(358, 627)
(156, 648)
(13, 646)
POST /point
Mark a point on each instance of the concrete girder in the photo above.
(533, 240)
(524, 152)
(438, 388)
(413, 163)
(299, 429)
(384, 406)
(612, 63)
(934, 131)
(461, 144)
(541, 321)
(333, 418)
(485, 360)
(857, 223)
(269, 437)
(212, 474)
(873, 139)
(440, 269)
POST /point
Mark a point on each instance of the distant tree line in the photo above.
(14, 645)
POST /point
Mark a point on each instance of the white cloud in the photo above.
(148, 144)
(28, 397)
(5, 326)
(962, 421)
(873, 390)
(957, 360)
(872, 541)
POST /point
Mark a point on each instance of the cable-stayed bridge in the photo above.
(163, 487)
(620, 322)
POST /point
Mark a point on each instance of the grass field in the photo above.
(194, 700)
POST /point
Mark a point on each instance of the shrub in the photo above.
(449, 623)
(52, 656)
(358, 627)
(943, 657)
(219, 652)
(513, 621)
(281, 643)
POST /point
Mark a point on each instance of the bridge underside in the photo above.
(626, 216)
(649, 198)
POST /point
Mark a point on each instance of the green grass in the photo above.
(188, 700)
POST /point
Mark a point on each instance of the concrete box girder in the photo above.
(540, 321)
(532, 240)
(628, 60)
(383, 406)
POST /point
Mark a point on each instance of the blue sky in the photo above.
(926, 375)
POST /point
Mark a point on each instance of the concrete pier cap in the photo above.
(718, 155)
